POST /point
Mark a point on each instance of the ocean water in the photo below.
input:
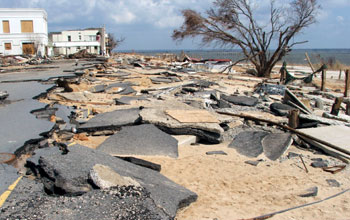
(296, 56)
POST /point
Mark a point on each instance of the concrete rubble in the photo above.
(129, 107)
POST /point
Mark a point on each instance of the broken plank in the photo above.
(289, 96)
(192, 116)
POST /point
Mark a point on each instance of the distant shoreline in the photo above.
(296, 56)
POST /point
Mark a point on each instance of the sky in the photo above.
(149, 24)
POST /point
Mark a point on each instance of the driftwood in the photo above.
(289, 129)
(263, 217)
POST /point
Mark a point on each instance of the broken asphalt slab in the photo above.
(29, 201)
(112, 120)
(69, 171)
(275, 144)
(126, 100)
(241, 100)
(248, 143)
(24, 90)
(143, 163)
(254, 143)
(209, 132)
(144, 139)
(18, 125)
(44, 75)
(280, 109)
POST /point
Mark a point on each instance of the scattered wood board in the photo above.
(289, 96)
(192, 116)
(337, 135)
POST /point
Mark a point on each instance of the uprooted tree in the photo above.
(235, 23)
(113, 42)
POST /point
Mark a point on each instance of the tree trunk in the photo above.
(264, 71)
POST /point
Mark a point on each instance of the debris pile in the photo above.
(130, 106)
(82, 54)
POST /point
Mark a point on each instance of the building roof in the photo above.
(85, 29)
(23, 10)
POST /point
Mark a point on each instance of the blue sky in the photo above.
(148, 24)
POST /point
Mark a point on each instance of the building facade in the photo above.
(23, 31)
(72, 41)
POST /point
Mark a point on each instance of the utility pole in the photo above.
(103, 40)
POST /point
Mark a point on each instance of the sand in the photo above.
(229, 189)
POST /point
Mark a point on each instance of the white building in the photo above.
(23, 31)
(72, 41)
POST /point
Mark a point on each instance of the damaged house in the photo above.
(71, 41)
(23, 31)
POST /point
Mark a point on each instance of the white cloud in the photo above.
(124, 17)
(340, 19)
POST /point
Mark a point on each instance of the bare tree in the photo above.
(113, 42)
(236, 23)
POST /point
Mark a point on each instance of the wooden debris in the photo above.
(309, 62)
(192, 116)
(336, 106)
(334, 169)
(267, 216)
(341, 153)
(347, 84)
(302, 160)
(290, 97)
(323, 83)
(294, 118)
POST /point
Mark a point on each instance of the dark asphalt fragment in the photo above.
(241, 100)
(69, 174)
(112, 120)
(144, 139)
(248, 143)
(121, 203)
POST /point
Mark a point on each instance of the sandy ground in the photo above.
(229, 189)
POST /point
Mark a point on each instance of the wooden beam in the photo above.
(347, 111)
(293, 121)
(248, 117)
(323, 83)
(308, 60)
(347, 84)
(336, 106)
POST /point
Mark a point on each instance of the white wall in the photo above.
(87, 40)
(15, 37)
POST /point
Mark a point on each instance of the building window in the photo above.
(79, 37)
(8, 46)
(95, 47)
(78, 48)
(69, 38)
(27, 26)
(6, 26)
(28, 48)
